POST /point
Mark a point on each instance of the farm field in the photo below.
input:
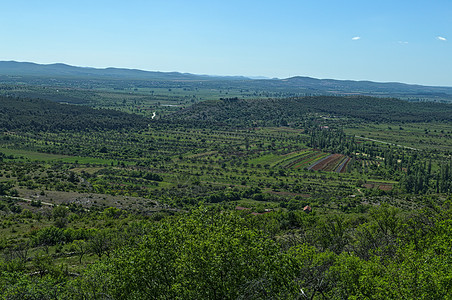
(423, 136)
(295, 159)
(329, 163)
(25, 155)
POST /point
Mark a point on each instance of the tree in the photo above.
(60, 216)
(100, 243)
(81, 247)
(5, 187)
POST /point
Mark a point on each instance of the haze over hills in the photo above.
(14, 72)
(14, 68)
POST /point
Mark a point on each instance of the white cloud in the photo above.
(356, 38)
(403, 42)
(441, 38)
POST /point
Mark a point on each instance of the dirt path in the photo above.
(387, 143)
(29, 200)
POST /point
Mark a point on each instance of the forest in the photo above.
(181, 192)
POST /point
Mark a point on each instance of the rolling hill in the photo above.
(62, 74)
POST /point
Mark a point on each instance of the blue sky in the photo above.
(405, 41)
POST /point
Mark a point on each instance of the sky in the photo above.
(384, 41)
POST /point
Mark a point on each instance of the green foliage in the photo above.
(60, 212)
(41, 115)
(112, 213)
(50, 236)
(5, 187)
(207, 255)
(270, 112)
(14, 285)
(211, 254)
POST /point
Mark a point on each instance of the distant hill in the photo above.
(336, 86)
(62, 74)
(13, 68)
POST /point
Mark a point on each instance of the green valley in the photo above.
(175, 192)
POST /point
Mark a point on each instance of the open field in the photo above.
(31, 155)
(329, 163)
(424, 136)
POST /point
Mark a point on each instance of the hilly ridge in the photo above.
(13, 68)
(64, 75)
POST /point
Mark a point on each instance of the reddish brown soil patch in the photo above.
(307, 159)
(385, 187)
(329, 163)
